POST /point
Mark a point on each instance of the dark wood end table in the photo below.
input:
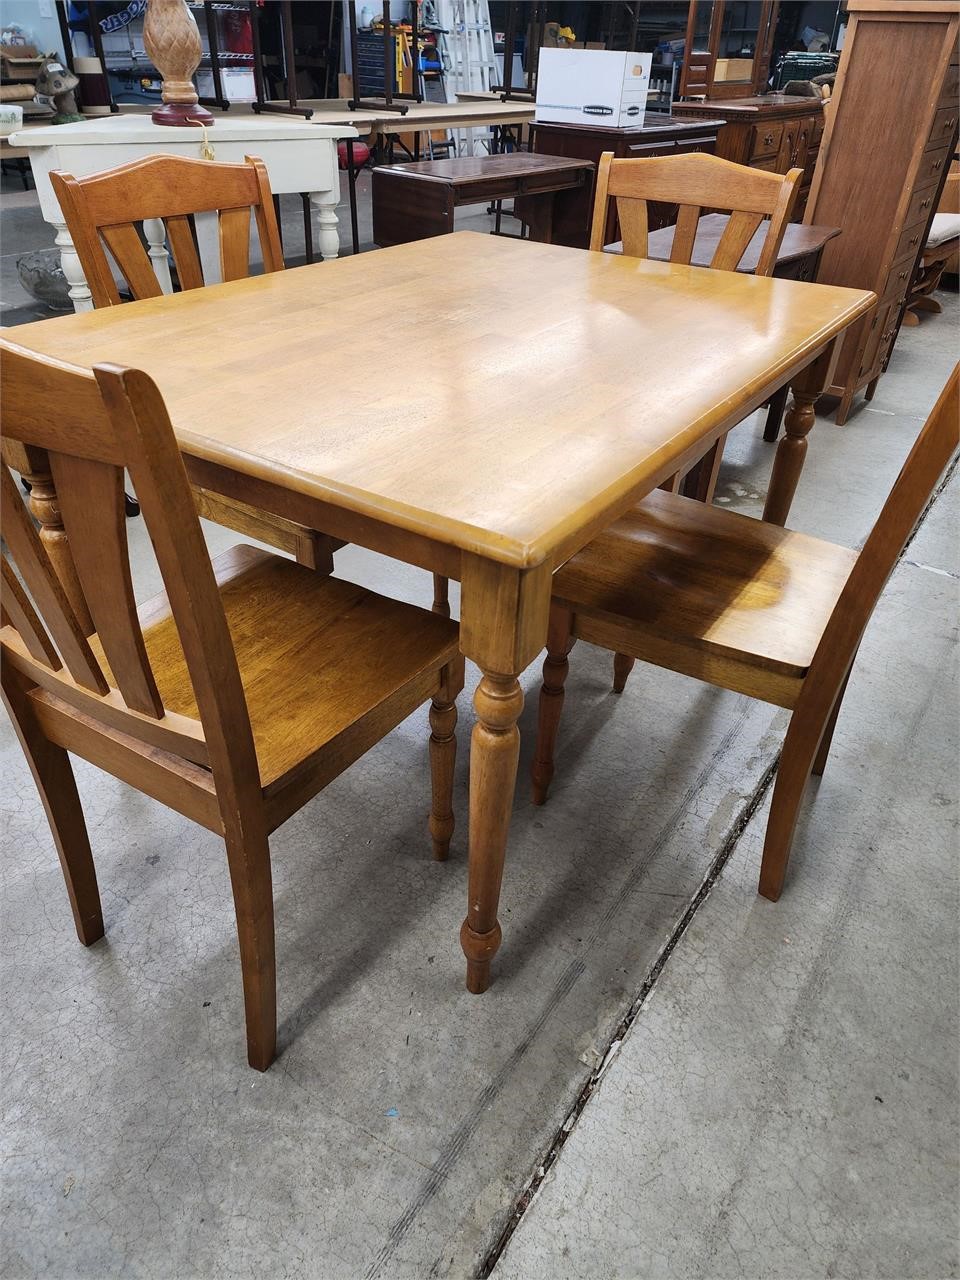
(416, 201)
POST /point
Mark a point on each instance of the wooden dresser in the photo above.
(891, 132)
(772, 131)
(657, 136)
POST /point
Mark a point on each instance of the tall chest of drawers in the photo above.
(890, 134)
(772, 131)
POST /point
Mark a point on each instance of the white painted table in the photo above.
(300, 157)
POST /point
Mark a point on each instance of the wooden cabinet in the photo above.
(891, 132)
(657, 136)
(770, 131)
(728, 49)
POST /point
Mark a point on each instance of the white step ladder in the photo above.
(467, 49)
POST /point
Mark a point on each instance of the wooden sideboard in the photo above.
(657, 136)
(772, 131)
(891, 132)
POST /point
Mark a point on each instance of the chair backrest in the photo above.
(914, 487)
(103, 211)
(90, 426)
(697, 183)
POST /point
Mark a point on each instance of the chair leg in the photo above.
(441, 595)
(443, 758)
(820, 761)
(622, 666)
(50, 766)
(775, 408)
(555, 668)
(793, 773)
(248, 854)
(700, 482)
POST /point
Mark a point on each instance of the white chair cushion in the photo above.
(945, 226)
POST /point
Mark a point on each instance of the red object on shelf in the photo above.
(361, 154)
(237, 31)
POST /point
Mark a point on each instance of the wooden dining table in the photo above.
(478, 406)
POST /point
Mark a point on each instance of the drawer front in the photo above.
(816, 132)
(921, 204)
(766, 140)
(944, 124)
(770, 165)
(932, 164)
(882, 327)
(708, 144)
(901, 276)
(911, 241)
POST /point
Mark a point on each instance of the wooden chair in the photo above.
(234, 698)
(698, 183)
(102, 213)
(744, 605)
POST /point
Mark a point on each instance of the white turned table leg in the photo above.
(80, 295)
(324, 205)
(156, 234)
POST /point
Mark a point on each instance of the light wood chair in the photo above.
(744, 605)
(698, 183)
(234, 698)
(103, 212)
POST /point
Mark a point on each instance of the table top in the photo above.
(764, 103)
(553, 387)
(651, 125)
(798, 241)
(464, 170)
(139, 128)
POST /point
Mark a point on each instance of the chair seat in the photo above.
(675, 570)
(316, 654)
(943, 227)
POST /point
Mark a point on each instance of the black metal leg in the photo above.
(352, 184)
(307, 226)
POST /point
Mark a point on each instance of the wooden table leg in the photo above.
(504, 615)
(494, 753)
(807, 388)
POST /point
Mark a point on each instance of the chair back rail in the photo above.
(91, 426)
(103, 212)
(696, 183)
(914, 487)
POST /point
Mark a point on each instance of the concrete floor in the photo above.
(736, 1132)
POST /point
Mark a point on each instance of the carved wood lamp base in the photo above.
(181, 114)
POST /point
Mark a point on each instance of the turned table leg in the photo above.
(80, 294)
(808, 386)
(504, 613)
(324, 204)
(494, 753)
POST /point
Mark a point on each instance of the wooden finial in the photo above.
(171, 38)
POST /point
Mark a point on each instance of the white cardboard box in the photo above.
(592, 86)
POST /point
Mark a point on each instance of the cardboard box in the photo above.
(592, 86)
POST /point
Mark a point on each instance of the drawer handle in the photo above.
(901, 275)
(768, 139)
(925, 204)
(915, 239)
(938, 165)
